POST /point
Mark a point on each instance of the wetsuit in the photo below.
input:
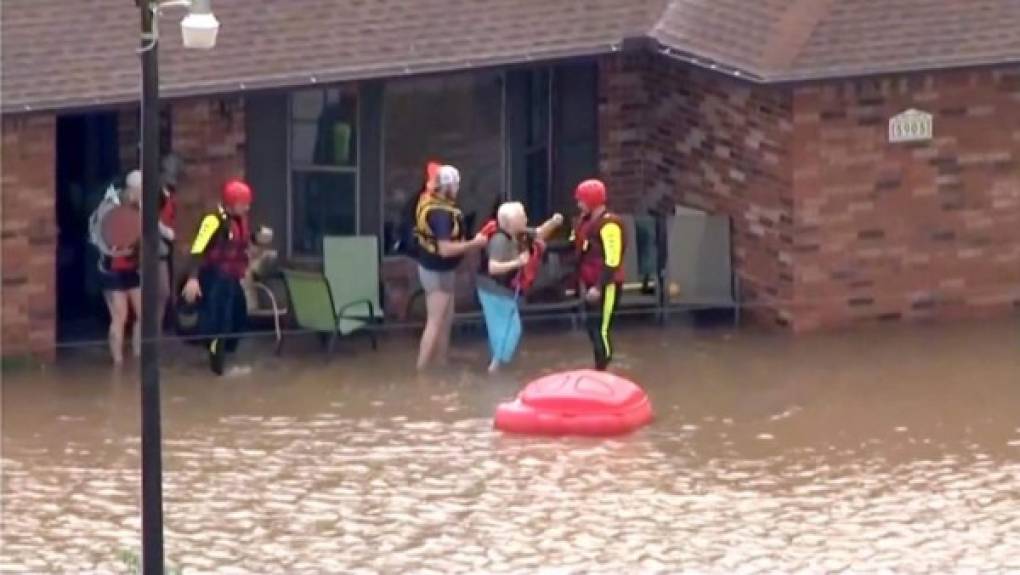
(219, 260)
(599, 242)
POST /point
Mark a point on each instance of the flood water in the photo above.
(892, 449)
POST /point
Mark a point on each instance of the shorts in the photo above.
(435, 281)
(119, 280)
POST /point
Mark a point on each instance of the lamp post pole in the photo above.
(152, 457)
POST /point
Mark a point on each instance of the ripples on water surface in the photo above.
(896, 450)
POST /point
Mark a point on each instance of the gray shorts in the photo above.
(433, 281)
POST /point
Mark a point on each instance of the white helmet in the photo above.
(133, 181)
(448, 180)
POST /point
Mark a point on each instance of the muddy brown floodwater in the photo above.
(891, 449)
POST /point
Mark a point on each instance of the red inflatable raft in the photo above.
(582, 402)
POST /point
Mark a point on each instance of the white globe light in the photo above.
(199, 30)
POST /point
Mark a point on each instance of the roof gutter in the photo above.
(701, 62)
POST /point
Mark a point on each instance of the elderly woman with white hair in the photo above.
(503, 275)
(441, 243)
(118, 273)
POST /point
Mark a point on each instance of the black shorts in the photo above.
(120, 280)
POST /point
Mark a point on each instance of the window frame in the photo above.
(504, 181)
(293, 167)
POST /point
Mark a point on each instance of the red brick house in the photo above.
(783, 115)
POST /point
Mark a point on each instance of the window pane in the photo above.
(302, 140)
(323, 128)
(323, 204)
(537, 178)
(306, 105)
(538, 108)
(576, 130)
(453, 119)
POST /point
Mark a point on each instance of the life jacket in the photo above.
(118, 264)
(168, 211)
(523, 278)
(228, 249)
(167, 218)
(426, 244)
(588, 242)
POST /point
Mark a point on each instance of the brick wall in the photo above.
(209, 137)
(925, 230)
(623, 141)
(709, 142)
(28, 236)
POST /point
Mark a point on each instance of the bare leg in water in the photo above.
(135, 301)
(443, 347)
(436, 306)
(117, 304)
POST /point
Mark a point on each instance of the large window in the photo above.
(537, 132)
(553, 134)
(323, 167)
(454, 119)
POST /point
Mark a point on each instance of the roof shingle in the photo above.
(784, 40)
(55, 57)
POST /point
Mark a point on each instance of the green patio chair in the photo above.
(311, 303)
(351, 267)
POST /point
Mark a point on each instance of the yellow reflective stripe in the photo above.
(608, 301)
(612, 243)
(206, 232)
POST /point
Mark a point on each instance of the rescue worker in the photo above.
(219, 261)
(598, 239)
(440, 245)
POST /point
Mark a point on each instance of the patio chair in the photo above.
(315, 308)
(351, 268)
(700, 264)
(263, 304)
(635, 254)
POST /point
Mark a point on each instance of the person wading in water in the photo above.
(440, 245)
(598, 238)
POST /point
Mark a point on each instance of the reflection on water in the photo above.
(882, 450)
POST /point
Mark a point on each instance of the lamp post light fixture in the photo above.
(198, 29)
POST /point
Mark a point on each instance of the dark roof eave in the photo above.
(282, 81)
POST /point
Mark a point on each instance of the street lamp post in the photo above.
(198, 30)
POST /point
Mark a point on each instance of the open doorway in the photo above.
(87, 161)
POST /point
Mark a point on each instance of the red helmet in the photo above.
(591, 193)
(236, 192)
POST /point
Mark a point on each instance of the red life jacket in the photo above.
(229, 250)
(122, 263)
(592, 253)
(168, 211)
(525, 276)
